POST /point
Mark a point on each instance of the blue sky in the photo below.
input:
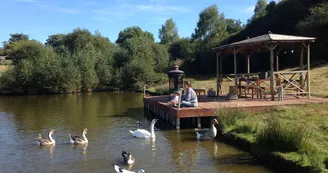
(41, 18)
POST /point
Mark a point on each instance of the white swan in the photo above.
(44, 141)
(207, 134)
(142, 133)
(121, 170)
(79, 140)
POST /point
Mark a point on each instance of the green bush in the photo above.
(27, 50)
(280, 136)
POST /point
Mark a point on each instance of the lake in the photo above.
(108, 116)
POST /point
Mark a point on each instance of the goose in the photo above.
(207, 134)
(121, 170)
(127, 158)
(44, 141)
(79, 140)
(142, 133)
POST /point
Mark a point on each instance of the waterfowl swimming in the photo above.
(121, 170)
(207, 134)
(142, 133)
(79, 140)
(44, 141)
(138, 123)
(127, 158)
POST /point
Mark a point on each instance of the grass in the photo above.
(296, 133)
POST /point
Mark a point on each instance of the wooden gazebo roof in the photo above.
(258, 44)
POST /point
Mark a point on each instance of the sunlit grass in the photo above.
(297, 133)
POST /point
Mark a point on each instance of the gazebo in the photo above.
(273, 43)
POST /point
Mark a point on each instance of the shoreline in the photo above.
(272, 160)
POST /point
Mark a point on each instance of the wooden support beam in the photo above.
(217, 74)
(301, 64)
(199, 123)
(248, 64)
(177, 124)
(235, 66)
(277, 62)
(308, 70)
(272, 91)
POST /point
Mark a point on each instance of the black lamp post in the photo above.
(175, 79)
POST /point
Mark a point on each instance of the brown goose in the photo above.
(46, 141)
(79, 140)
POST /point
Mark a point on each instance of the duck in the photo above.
(79, 140)
(138, 123)
(207, 134)
(142, 133)
(127, 158)
(44, 141)
(122, 170)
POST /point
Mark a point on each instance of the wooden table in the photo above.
(199, 91)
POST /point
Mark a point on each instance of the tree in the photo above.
(30, 49)
(161, 57)
(259, 9)
(210, 24)
(169, 32)
(233, 26)
(78, 39)
(132, 32)
(55, 40)
(17, 37)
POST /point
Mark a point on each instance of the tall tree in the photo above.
(169, 32)
(259, 9)
(55, 40)
(131, 32)
(210, 24)
(17, 37)
(234, 26)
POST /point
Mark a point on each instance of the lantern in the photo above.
(175, 79)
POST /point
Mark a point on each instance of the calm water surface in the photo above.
(109, 117)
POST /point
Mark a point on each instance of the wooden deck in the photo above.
(159, 105)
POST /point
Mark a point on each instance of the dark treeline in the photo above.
(82, 61)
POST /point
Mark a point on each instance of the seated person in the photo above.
(175, 98)
(190, 98)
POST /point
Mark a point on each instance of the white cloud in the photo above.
(102, 19)
(30, 1)
(249, 9)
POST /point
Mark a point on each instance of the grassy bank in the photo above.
(295, 133)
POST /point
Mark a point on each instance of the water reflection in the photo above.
(50, 148)
(82, 148)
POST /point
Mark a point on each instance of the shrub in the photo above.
(27, 50)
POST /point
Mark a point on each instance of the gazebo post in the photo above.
(308, 70)
(248, 64)
(277, 62)
(301, 63)
(271, 48)
(217, 73)
(235, 65)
